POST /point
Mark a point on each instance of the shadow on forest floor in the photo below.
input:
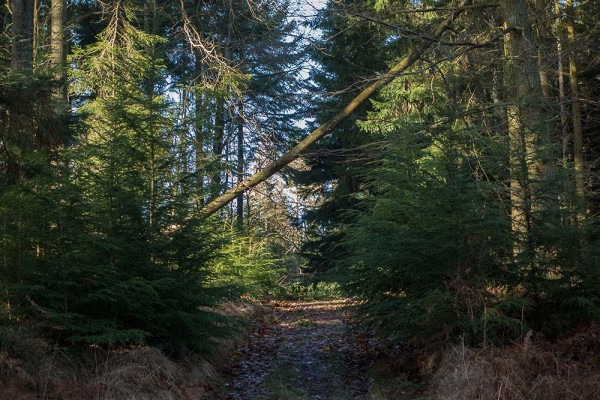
(304, 350)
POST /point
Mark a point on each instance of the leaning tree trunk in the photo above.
(327, 127)
(528, 130)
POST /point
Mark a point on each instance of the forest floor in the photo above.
(312, 350)
(302, 350)
(306, 350)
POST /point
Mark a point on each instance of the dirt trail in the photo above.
(302, 351)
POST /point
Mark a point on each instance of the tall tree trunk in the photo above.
(217, 148)
(219, 134)
(20, 128)
(22, 45)
(199, 122)
(240, 163)
(150, 26)
(182, 165)
(543, 34)
(529, 135)
(58, 56)
(37, 40)
(575, 113)
(561, 85)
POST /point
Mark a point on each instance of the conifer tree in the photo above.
(426, 246)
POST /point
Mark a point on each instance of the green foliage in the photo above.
(425, 250)
(87, 286)
(313, 291)
(429, 250)
(98, 240)
(249, 264)
(97, 245)
(416, 217)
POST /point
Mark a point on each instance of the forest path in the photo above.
(302, 351)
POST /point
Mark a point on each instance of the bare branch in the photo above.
(207, 49)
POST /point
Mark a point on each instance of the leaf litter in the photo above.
(300, 350)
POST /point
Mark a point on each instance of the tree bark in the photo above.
(183, 163)
(528, 130)
(217, 148)
(575, 114)
(199, 121)
(22, 45)
(219, 133)
(240, 163)
(20, 129)
(58, 56)
(543, 34)
(561, 86)
(327, 127)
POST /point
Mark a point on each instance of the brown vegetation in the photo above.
(536, 369)
(31, 369)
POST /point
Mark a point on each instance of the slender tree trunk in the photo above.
(217, 148)
(150, 26)
(199, 121)
(219, 135)
(182, 165)
(529, 135)
(226, 164)
(575, 113)
(22, 45)
(37, 39)
(543, 34)
(561, 86)
(240, 163)
(20, 125)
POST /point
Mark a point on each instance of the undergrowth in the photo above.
(317, 291)
(33, 368)
(533, 370)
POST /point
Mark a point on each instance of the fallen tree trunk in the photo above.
(328, 126)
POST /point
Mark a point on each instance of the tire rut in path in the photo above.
(304, 351)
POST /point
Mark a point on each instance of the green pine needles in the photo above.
(429, 251)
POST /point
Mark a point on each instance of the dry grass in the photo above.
(141, 373)
(535, 370)
(30, 368)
